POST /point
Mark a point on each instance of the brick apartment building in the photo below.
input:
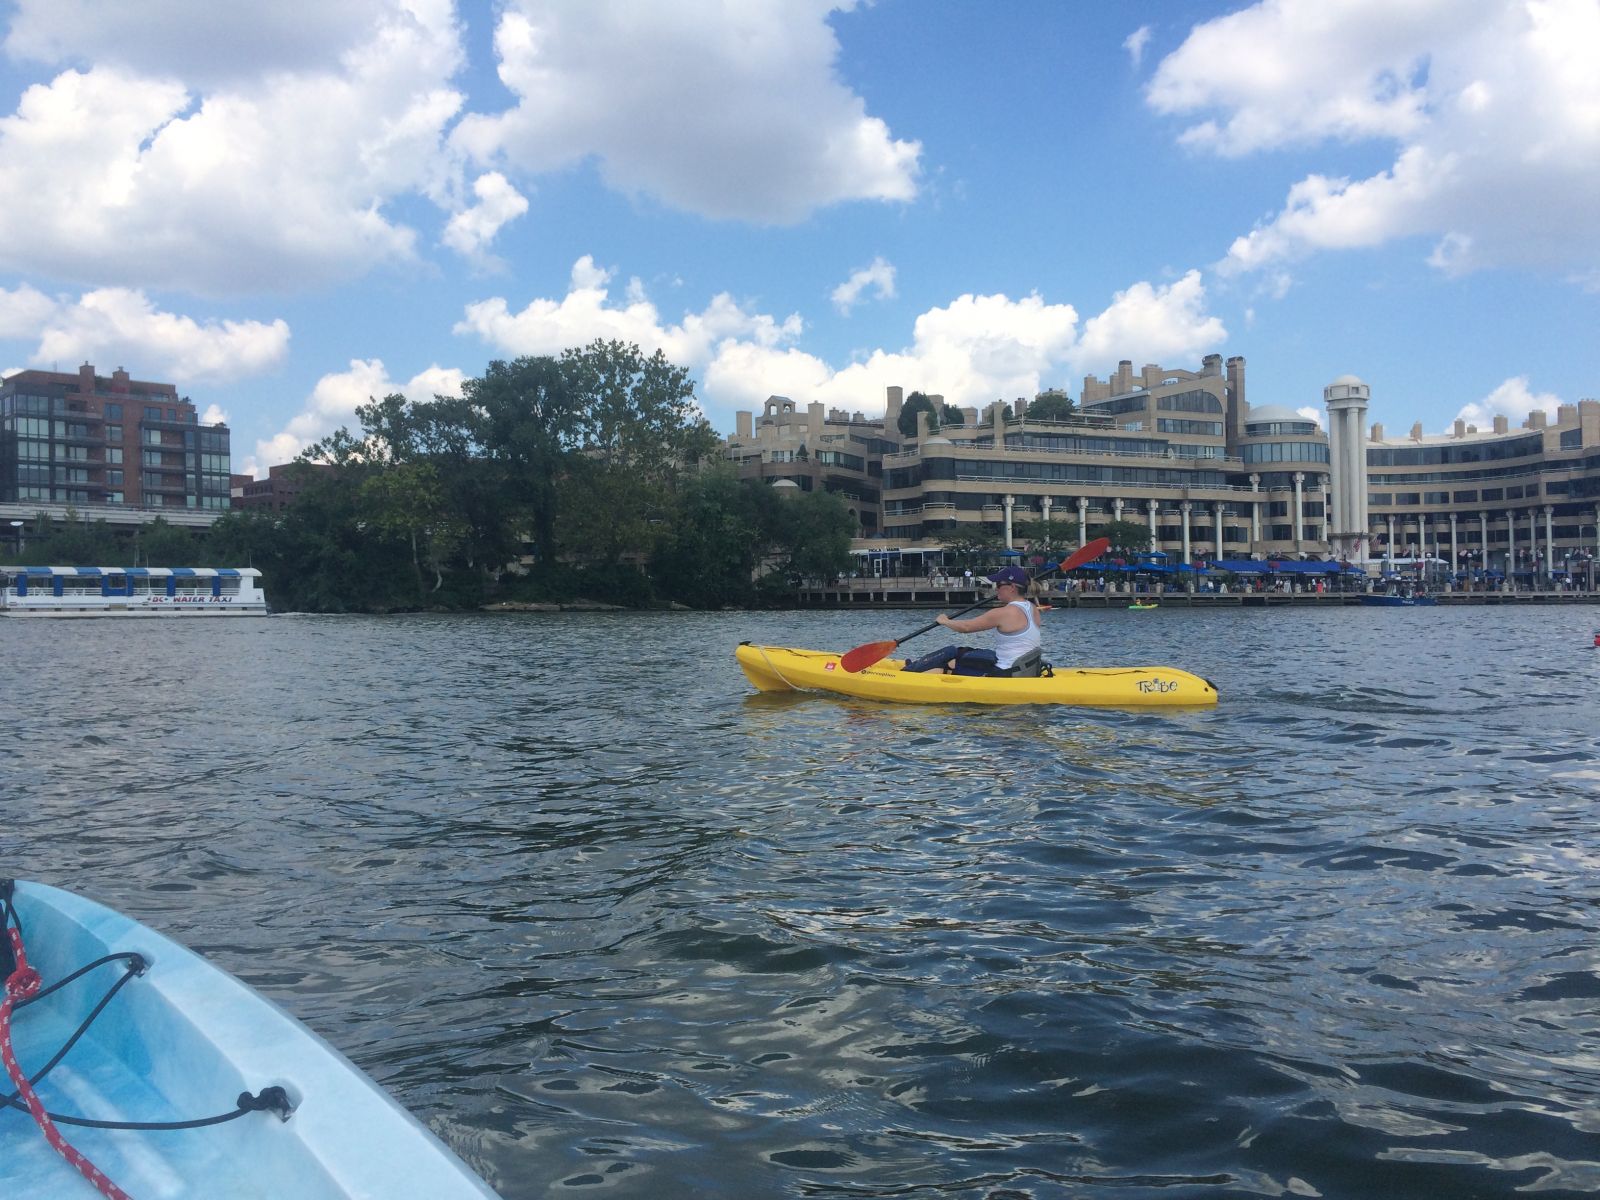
(108, 443)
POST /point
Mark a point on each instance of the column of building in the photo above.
(1255, 514)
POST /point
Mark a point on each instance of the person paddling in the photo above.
(1015, 621)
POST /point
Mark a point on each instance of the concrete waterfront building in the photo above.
(1184, 453)
(1519, 504)
(809, 450)
(1180, 451)
(115, 448)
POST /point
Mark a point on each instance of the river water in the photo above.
(612, 923)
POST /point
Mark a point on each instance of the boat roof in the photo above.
(155, 572)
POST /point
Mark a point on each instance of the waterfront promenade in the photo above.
(910, 592)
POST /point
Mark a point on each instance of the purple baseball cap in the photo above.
(1014, 575)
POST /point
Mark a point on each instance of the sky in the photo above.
(287, 209)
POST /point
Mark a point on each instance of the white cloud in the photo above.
(23, 312)
(116, 324)
(214, 414)
(1163, 323)
(585, 313)
(1302, 70)
(177, 160)
(471, 230)
(1514, 400)
(973, 350)
(197, 40)
(1135, 43)
(1311, 413)
(185, 144)
(1492, 107)
(729, 111)
(333, 402)
(879, 276)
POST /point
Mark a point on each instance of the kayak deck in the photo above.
(183, 1041)
(787, 668)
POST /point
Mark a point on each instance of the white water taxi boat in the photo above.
(131, 592)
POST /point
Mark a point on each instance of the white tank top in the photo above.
(1008, 647)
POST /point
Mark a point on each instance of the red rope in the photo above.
(23, 983)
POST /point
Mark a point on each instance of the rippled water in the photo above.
(612, 922)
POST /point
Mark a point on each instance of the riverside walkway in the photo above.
(908, 592)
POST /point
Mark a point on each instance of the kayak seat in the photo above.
(969, 661)
(1030, 666)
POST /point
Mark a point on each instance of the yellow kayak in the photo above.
(782, 669)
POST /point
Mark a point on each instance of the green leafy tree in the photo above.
(161, 544)
(914, 404)
(641, 435)
(242, 535)
(719, 535)
(608, 513)
(406, 501)
(966, 545)
(1052, 405)
(1040, 534)
(638, 412)
(71, 542)
(813, 533)
(526, 417)
(950, 415)
(1129, 537)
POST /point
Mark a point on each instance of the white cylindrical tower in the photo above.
(1346, 398)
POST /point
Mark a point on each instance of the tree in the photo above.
(638, 413)
(1127, 536)
(965, 543)
(950, 415)
(162, 544)
(526, 417)
(71, 542)
(813, 532)
(607, 513)
(406, 501)
(241, 535)
(915, 403)
(718, 537)
(1052, 405)
(1040, 534)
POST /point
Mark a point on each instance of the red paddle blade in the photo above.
(1087, 554)
(863, 657)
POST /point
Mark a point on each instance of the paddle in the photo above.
(864, 656)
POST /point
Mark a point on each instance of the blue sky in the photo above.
(287, 208)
